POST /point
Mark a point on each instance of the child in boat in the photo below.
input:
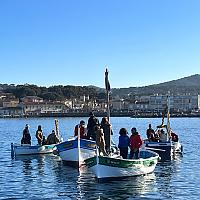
(26, 138)
(135, 143)
(124, 142)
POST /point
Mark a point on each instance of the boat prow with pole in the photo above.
(114, 166)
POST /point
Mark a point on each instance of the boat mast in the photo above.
(57, 129)
(79, 147)
(107, 86)
(168, 116)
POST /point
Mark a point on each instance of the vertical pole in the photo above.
(12, 150)
(168, 116)
(57, 130)
(79, 148)
(107, 84)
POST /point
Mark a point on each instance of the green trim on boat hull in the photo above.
(90, 162)
(125, 163)
(114, 162)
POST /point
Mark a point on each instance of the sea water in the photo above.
(46, 177)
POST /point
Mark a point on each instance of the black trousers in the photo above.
(124, 152)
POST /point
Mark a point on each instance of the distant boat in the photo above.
(74, 151)
(170, 145)
(26, 149)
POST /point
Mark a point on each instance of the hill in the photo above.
(190, 84)
(186, 85)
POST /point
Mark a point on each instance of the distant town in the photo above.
(140, 106)
(75, 101)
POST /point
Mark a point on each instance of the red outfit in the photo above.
(136, 141)
(174, 137)
(82, 131)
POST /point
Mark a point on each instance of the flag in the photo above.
(107, 84)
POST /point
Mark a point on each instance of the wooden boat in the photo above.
(27, 149)
(17, 149)
(114, 167)
(168, 147)
(74, 151)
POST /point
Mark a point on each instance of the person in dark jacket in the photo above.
(26, 138)
(124, 143)
(150, 134)
(107, 129)
(39, 135)
(52, 138)
(92, 122)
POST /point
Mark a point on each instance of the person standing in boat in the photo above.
(83, 130)
(26, 138)
(107, 129)
(135, 143)
(100, 140)
(124, 143)
(150, 134)
(163, 136)
(92, 122)
(52, 138)
(39, 135)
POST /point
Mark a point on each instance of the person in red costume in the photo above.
(83, 130)
(135, 143)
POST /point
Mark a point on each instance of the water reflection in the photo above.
(66, 182)
(166, 173)
(31, 162)
(119, 189)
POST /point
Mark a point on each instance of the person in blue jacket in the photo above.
(124, 142)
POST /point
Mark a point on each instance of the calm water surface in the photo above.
(45, 177)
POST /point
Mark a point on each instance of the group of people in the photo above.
(134, 142)
(160, 135)
(51, 139)
(99, 132)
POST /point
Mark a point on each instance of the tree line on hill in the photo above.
(187, 85)
(53, 93)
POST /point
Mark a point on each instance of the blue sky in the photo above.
(70, 42)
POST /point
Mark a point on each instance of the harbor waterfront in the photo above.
(46, 177)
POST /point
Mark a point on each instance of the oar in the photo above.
(154, 149)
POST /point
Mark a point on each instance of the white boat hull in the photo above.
(71, 154)
(109, 168)
(17, 149)
(166, 150)
(177, 147)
